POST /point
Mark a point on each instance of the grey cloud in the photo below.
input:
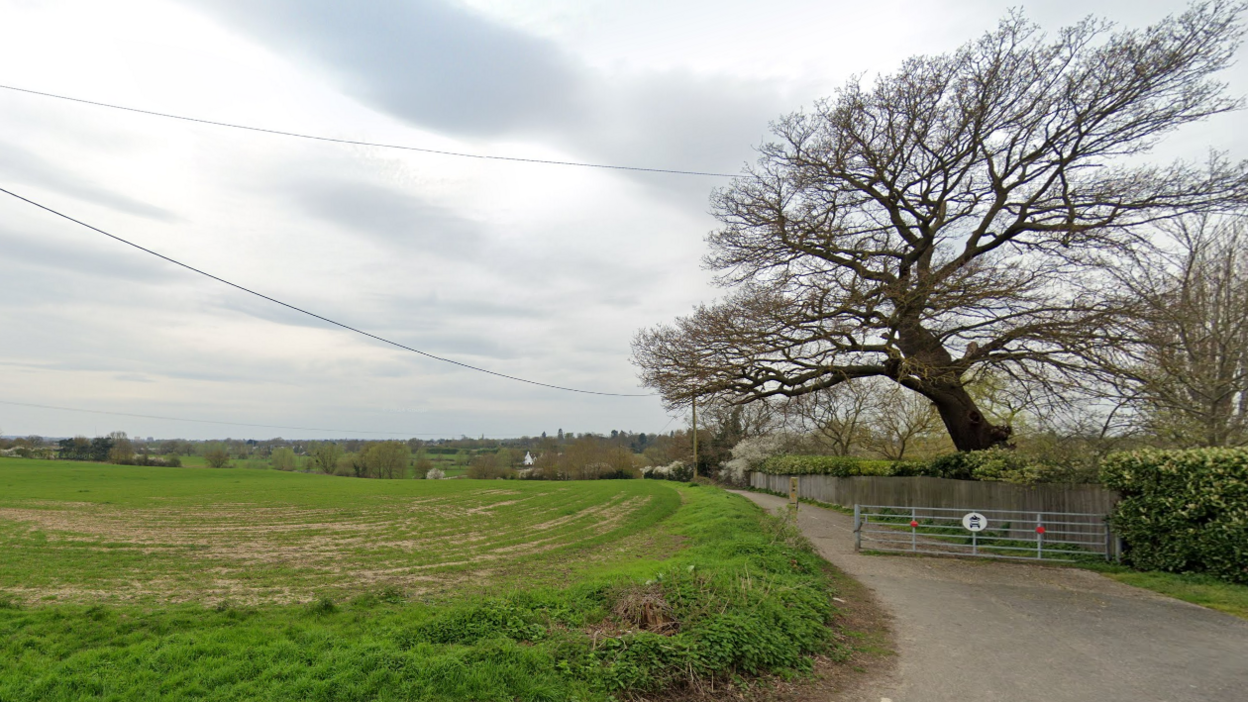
(27, 248)
(685, 121)
(387, 216)
(417, 324)
(430, 62)
(440, 66)
(22, 166)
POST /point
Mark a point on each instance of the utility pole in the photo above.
(695, 436)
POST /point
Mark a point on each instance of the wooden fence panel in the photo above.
(1025, 500)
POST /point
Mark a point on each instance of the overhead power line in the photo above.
(314, 315)
(355, 142)
(210, 421)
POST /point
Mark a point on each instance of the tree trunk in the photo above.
(967, 426)
(942, 383)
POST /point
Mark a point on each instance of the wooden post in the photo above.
(695, 436)
(793, 493)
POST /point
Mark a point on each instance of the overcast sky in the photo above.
(538, 271)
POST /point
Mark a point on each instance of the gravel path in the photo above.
(972, 631)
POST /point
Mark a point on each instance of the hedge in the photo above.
(998, 465)
(1004, 465)
(1183, 511)
(840, 466)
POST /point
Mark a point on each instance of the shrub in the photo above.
(839, 466)
(1006, 466)
(217, 457)
(283, 459)
(676, 470)
(998, 465)
(423, 465)
(324, 457)
(750, 455)
(434, 474)
(958, 466)
(387, 459)
(1183, 511)
(486, 466)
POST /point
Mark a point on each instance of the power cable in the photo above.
(314, 315)
(210, 421)
(354, 142)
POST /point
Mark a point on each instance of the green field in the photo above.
(172, 583)
(91, 532)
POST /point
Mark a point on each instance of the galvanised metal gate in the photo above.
(985, 533)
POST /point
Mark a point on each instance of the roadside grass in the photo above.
(687, 584)
(1203, 590)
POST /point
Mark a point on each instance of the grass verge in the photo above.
(1203, 590)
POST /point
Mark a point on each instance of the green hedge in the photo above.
(1183, 511)
(998, 465)
(840, 466)
(1004, 465)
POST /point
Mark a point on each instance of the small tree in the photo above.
(423, 464)
(122, 450)
(387, 459)
(836, 417)
(325, 457)
(898, 421)
(485, 467)
(283, 458)
(506, 458)
(217, 457)
(1187, 373)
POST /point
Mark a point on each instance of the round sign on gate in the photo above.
(974, 521)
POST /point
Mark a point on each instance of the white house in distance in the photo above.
(528, 458)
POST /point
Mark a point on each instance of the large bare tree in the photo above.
(957, 215)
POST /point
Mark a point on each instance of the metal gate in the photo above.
(985, 533)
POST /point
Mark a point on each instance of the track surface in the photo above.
(987, 631)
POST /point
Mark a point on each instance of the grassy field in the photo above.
(167, 583)
(93, 533)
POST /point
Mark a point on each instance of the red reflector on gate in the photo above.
(1039, 530)
(913, 524)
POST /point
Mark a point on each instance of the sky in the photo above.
(538, 271)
